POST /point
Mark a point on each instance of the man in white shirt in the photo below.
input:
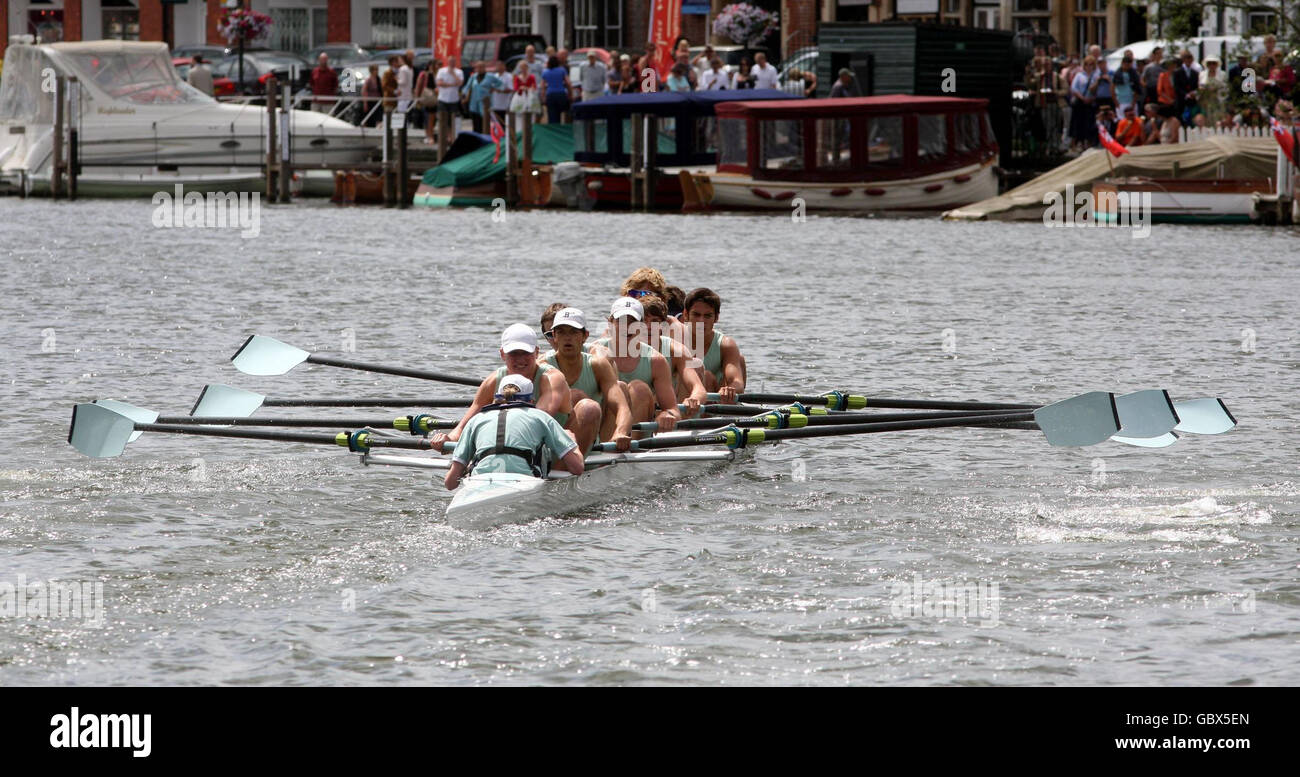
(200, 76)
(405, 83)
(501, 94)
(716, 77)
(763, 74)
(534, 61)
(449, 81)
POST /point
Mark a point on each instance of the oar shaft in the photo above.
(340, 423)
(855, 401)
(729, 437)
(418, 444)
(414, 402)
(390, 370)
(833, 419)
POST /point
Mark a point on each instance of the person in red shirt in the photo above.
(324, 86)
(1129, 130)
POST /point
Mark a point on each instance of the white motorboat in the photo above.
(142, 129)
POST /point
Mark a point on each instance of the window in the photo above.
(968, 132)
(291, 30)
(885, 140)
(931, 137)
(519, 16)
(598, 23)
(319, 26)
(733, 142)
(1023, 6)
(1261, 22)
(121, 24)
(781, 147)
(589, 135)
(423, 30)
(834, 144)
(388, 28)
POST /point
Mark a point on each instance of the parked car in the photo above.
(340, 54)
(490, 47)
(221, 86)
(261, 64)
(422, 57)
(209, 53)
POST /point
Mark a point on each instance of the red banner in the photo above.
(665, 26)
(448, 28)
(1109, 142)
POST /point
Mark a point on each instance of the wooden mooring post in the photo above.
(403, 170)
(286, 143)
(271, 138)
(636, 157)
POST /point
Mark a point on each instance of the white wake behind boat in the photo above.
(142, 129)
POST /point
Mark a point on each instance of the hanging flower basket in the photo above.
(237, 23)
(744, 24)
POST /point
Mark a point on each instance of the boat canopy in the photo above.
(135, 73)
(602, 127)
(853, 139)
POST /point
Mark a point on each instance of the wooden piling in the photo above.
(270, 138)
(403, 170)
(635, 159)
(651, 139)
(60, 118)
(286, 144)
(74, 143)
(512, 174)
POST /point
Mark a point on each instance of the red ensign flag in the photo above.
(448, 28)
(1110, 143)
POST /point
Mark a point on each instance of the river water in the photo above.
(239, 563)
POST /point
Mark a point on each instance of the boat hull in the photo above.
(940, 191)
(492, 499)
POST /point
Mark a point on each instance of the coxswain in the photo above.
(512, 435)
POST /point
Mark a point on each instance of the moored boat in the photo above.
(863, 155)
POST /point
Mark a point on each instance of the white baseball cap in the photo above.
(570, 317)
(519, 337)
(626, 306)
(524, 385)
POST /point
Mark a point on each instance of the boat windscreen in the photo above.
(141, 78)
(931, 136)
(732, 142)
(968, 132)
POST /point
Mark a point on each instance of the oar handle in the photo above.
(390, 370)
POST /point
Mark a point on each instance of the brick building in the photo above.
(618, 24)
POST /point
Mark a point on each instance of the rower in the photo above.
(600, 402)
(687, 370)
(644, 371)
(519, 352)
(512, 435)
(645, 281)
(724, 366)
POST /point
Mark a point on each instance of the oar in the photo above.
(781, 418)
(260, 355)
(221, 400)
(415, 424)
(1198, 416)
(1083, 420)
(101, 432)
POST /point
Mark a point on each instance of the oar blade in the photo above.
(139, 415)
(98, 431)
(1087, 419)
(1147, 413)
(221, 401)
(261, 355)
(1162, 441)
(1204, 416)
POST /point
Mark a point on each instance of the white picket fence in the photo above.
(1201, 133)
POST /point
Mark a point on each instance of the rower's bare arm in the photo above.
(662, 378)
(482, 398)
(554, 398)
(607, 379)
(733, 369)
(692, 378)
